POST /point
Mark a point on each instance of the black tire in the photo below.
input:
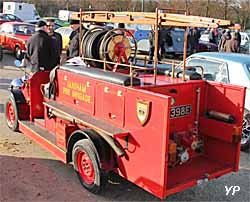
(96, 183)
(1, 53)
(18, 53)
(245, 140)
(11, 114)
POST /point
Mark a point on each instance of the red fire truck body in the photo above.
(163, 136)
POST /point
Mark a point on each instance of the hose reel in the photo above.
(110, 45)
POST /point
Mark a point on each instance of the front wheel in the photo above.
(245, 139)
(11, 114)
(87, 166)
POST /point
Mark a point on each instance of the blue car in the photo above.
(230, 68)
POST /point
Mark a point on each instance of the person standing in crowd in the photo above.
(232, 45)
(151, 38)
(193, 40)
(74, 47)
(56, 41)
(165, 40)
(40, 49)
(213, 35)
(238, 36)
(226, 35)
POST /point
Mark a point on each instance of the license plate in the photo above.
(180, 111)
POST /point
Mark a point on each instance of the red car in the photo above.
(8, 18)
(13, 36)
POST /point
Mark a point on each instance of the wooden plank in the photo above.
(87, 120)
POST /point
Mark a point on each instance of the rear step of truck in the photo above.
(43, 137)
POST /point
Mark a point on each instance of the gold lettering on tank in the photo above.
(77, 90)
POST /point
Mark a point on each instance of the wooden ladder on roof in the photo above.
(164, 19)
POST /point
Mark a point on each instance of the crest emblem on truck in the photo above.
(143, 111)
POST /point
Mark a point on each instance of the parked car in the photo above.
(13, 36)
(245, 48)
(34, 22)
(141, 34)
(206, 46)
(65, 32)
(230, 68)
(245, 38)
(8, 17)
(58, 22)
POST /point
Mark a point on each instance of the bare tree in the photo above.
(207, 8)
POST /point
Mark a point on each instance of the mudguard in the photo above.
(99, 145)
(18, 96)
(21, 103)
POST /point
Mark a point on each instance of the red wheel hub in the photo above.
(10, 113)
(85, 167)
(120, 49)
(120, 52)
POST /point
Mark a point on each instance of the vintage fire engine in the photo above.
(164, 129)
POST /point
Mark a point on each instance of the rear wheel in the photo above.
(245, 139)
(87, 166)
(11, 114)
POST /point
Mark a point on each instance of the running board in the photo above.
(39, 122)
(87, 120)
(43, 137)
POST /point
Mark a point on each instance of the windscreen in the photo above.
(24, 29)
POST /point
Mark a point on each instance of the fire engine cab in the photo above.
(162, 127)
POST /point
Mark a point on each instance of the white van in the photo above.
(64, 15)
(24, 11)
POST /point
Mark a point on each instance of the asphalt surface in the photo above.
(29, 173)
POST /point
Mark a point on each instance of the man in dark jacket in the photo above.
(238, 36)
(74, 47)
(39, 49)
(193, 39)
(56, 42)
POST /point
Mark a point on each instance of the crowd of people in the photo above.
(227, 41)
(44, 47)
